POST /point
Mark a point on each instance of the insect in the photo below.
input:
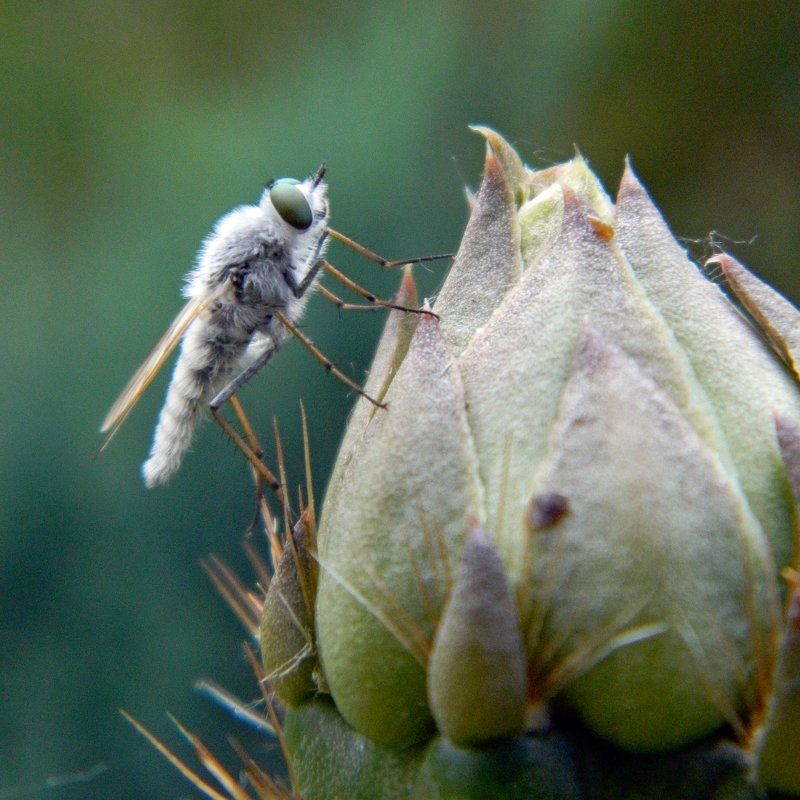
(245, 295)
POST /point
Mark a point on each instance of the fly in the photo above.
(245, 297)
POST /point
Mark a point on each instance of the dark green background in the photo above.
(128, 128)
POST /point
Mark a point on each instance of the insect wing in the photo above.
(143, 376)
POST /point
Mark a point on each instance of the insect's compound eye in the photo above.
(291, 203)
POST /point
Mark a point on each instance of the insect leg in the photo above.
(384, 262)
(243, 377)
(375, 302)
(251, 456)
(343, 305)
(320, 356)
(317, 263)
(251, 448)
(262, 509)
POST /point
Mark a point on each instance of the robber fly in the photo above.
(248, 289)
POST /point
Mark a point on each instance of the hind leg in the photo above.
(257, 356)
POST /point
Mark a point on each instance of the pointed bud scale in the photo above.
(540, 221)
(776, 316)
(488, 260)
(288, 650)
(391, 350)
(647, 498)
(733, 365)
(528, 344)
(578, 178)
(518, 175)
(476, 673)
(386, 542)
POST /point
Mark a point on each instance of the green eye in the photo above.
(291, 203)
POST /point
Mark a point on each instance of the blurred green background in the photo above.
(128, 128)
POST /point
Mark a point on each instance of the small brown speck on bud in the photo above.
(545, 510)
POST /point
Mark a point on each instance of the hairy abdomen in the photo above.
(206, 359)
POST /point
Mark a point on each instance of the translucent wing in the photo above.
(143, 376)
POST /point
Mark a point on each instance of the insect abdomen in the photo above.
(204, 362)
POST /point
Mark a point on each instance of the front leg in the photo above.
(317, 263)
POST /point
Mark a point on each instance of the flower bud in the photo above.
(576, 506)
